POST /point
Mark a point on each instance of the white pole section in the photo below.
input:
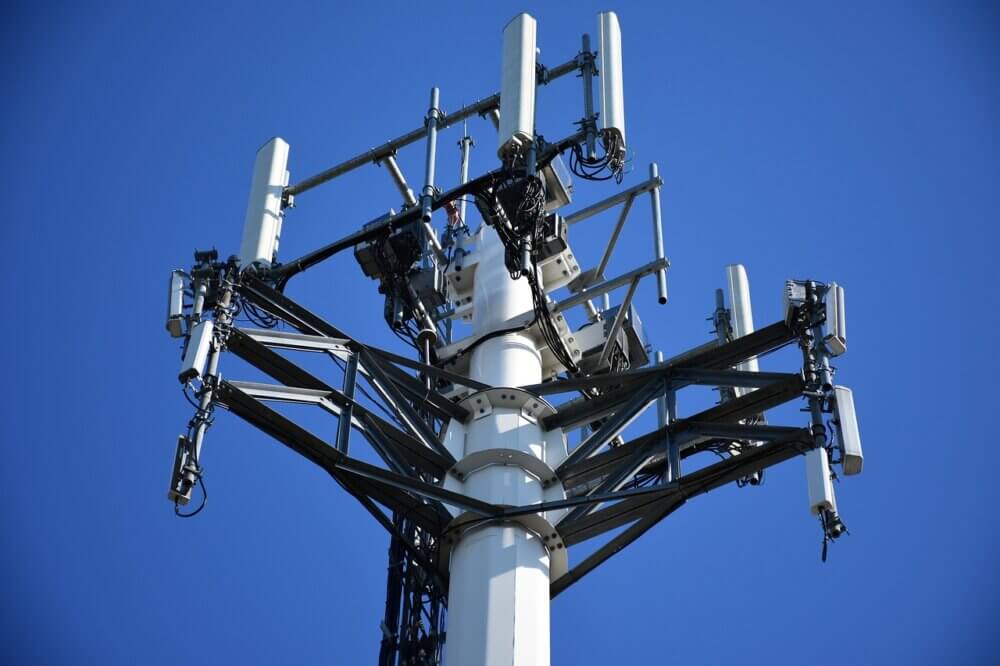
(498, 600)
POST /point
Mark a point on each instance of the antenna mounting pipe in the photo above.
(586, 60)
(427, 196)
(483, 106)
(465, 143)
(661, 274)
(397, 177)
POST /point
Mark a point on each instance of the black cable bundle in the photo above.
(522, 229)
(608, 166)
(545, 324)
(257, 316)
(205, 416)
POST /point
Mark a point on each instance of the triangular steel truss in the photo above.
(599, 480)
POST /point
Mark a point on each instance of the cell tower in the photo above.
(480, 491)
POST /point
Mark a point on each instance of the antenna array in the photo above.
(478, 487)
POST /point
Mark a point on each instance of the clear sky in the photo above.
(855, 142)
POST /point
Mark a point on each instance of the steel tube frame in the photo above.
(427, 194)
(588, 293)
(615, 546)
(678, 435)
(223, 318)
(616, 325)
(673, 470)
(386, 223)
(654, 197)
(397, 178)
(392, 397)
(344, 425)
(283, 307)
(612, 201)
(613, 240)
(465, 146)
(481, 107)
(384, 521)
(302, 384)
(330, 458)
(401, 453)
(612, 482)
(586, 65)
(648, 504)
(613, 425)
(420, 484)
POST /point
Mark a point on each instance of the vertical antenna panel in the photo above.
(848, 435)
(175, 305)
(836, 320)
(517, 84)
(196, 354)
(742, 312)
(820, 484)
(612, 116)
(263, 221)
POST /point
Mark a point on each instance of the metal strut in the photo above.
(457, 457)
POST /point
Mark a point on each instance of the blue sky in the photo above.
(855, 142)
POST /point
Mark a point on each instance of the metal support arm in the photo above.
(614, 424)
(478, 108)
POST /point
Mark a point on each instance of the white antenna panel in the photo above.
(281, 217)
(196, 354)
(517, 84)
(836, 320)
(820, 484)
(175, 305)
(742, 312)
(263, 221)
(848, 434)
(610, 71)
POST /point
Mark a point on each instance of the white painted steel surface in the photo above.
(498, 600)
(175, 304)
(517, 83)
(498, 604)
(196, 354)
(738, 287)
(836, 320)
(610, 72)
(262, 226)
(819, 482)
(509, 360)
(742, 312)
(848, 434)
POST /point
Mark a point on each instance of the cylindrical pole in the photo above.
(673, 451)
(223, 317)
(426, 340)
(498, 599)
(397, 177)
(465, 143)
(661, 274)
(344, 425)
(742, 312)
(587, 68)
(427, 196)
(200, 291)
(661, 402)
